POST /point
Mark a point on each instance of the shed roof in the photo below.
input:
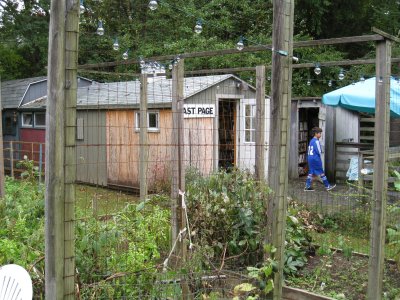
(13, 91)
(127, 93)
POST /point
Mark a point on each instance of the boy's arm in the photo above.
(318, 147)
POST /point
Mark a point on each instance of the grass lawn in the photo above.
(335, 239)
(102, 201)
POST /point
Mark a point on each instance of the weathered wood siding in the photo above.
(123, 149)
(199, 144)
(347, 128)
(91, 156)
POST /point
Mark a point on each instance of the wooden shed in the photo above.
(345, 133)
(338, 125)
(219, 128)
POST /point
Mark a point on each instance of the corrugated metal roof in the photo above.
(159, 91)
(127, 93)
(12, 91)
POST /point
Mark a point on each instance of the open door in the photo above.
(247, 134)
(226, 133)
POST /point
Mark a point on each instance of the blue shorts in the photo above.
(315, 167)
(317, 171)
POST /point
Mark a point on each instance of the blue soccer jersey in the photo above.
(314, 157)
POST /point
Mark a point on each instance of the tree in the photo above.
(24, 32)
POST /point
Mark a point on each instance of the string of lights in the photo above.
(156, 67)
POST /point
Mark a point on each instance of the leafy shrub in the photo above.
(119, 253)
(227, 213)
(22, 227)
(228, 218)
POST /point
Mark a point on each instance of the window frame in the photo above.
(23, 114)
(35, 125)
(149, 129)
(252, 129)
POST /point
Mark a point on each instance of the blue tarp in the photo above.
(361, 97)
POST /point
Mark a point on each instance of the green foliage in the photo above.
(131, 242)
(393, 235)
(31, 172)
(227, 213)
(297, 243)
(112, 253)
(24, 34)
(22, 227)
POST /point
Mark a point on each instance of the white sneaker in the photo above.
(331, 187)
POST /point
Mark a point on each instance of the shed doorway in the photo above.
(226, 133)
(309, 117)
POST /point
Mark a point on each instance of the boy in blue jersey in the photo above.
(315, 162)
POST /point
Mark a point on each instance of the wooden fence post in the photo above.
(54, 197)
(279, 136)
(60, 150)
(12, 159)
(1, 149)
(260, 126)
(381, 149)
(178, 168)
(143, 139)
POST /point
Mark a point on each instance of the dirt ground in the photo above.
(337, 276)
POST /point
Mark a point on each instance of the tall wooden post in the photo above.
(60, 150)
(71, 91)
(178, 168)
(1, 148)
(282, 40)
(260, 127)
(143, 150)
(381, 150)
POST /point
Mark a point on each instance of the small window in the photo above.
(79, 129)
(40, 119)
(153, 118)
(10, 123)
(27, 119)
(250, 123)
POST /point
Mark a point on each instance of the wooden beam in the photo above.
(250, 49)
(54, 196)
(381, 150)
(283, 11)
(260, 123)
(69, 128)
(252, 69)
(385, 34)
(143, 139)
(1, 149)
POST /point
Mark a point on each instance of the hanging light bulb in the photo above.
(240, 44)
(330, 83)
(199, 27)
(317, 69)
(362, 79)
(341, 74)
(81, 7)
(125, 55)
(308, 82)
(142, 63)
(100, 29)
(176, 60)
(116, 44)
(153, 4)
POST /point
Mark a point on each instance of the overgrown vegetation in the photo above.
(121, 253)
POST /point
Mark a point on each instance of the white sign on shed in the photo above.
(199, 110)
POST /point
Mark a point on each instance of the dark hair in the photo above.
(316, 130)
